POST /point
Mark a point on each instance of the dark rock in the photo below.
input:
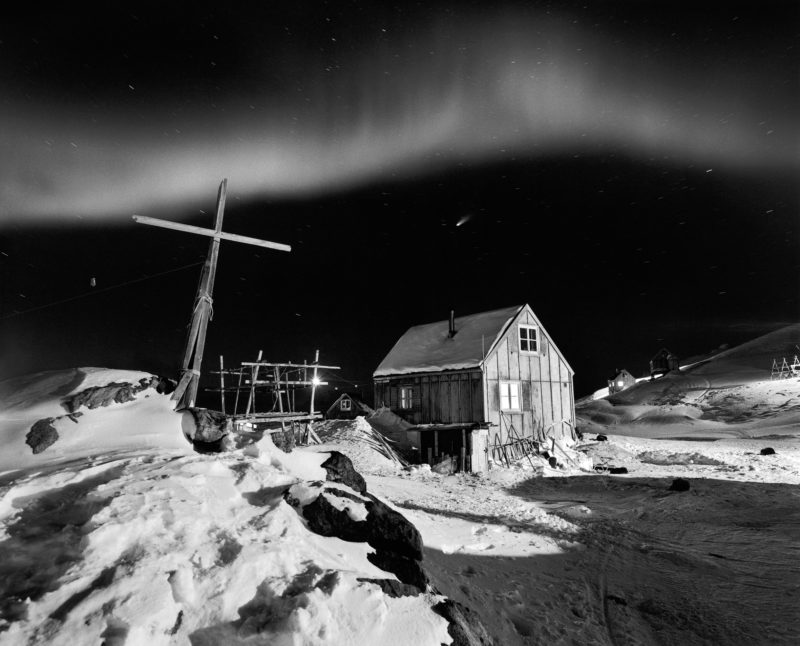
(617, 599)
(601, 438)
(42, 435)
(768, 451)
(552, 461)
(394, 588)
(165, 386)
(465, 627)
(204, 425)
(115, 393)
(406, 569)
(679, 484)
(617, 470)
(391, 531)
(326, 520)
(340, 469)
(284, 440)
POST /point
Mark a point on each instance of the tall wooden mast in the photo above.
(186, 392)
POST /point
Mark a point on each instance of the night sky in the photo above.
(629, 169)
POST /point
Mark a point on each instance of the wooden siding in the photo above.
(439, 398)
(545, 385)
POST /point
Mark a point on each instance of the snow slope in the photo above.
(729, 395)
(117, 533)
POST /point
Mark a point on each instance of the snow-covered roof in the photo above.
(429, 348)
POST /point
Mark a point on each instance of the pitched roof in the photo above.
(428, 348)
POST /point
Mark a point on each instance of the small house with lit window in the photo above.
(620, 380)
(497, 370)
(347, 406)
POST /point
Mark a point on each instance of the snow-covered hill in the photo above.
(112, 530)
(728, 395)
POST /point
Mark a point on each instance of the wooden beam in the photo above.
(267, 364)
(211, 233)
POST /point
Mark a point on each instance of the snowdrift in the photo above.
(116, 532)
(728, 395)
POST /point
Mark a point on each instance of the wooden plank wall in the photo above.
(546, 390)
(439, 398)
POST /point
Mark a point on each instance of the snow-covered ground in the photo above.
(116, 532)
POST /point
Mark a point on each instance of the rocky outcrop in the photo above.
(43, 433)
(115, 393)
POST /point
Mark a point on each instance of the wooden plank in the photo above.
(211, 233)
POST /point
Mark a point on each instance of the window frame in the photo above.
(528, 327)
(406, 397)
(349, 406)
(509, 399)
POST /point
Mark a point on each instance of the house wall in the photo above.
(545, 387)
(439, 398)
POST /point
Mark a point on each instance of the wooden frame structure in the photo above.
(278, 383)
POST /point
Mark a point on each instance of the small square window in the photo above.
(345, 404)
(528, 338)
(406, 398)
(509, 395)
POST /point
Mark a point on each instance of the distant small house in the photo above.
(348, 406)
(620, 380)
(497, 370)
(662, 363)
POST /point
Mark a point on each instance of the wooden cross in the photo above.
(186, 392)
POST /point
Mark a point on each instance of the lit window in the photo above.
(620, 383)
(509, 395)
(345, 404)
(528, 338)
(406, 397)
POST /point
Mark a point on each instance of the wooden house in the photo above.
(497, 370)
(620, 380)
(347, 406)
(662, 363)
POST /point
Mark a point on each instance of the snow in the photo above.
(147, 422)
(429, 348)
(121, 538)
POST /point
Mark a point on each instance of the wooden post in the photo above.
(430, 458)
(436, 445)
(238, 387)
(251, 402)
(222, 383)
(314, 383)
(277, 377)
(463, 448)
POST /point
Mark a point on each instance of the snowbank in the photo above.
(68, 429)
(104, 544)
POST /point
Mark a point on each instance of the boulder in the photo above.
(391, 531)
(339, 468)
(465, 627)
(326, 520)
(768, 451)
(408, 570)
(617, 470)
(204, 425)
(42, 435)
(679, 484)
(601, 438)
